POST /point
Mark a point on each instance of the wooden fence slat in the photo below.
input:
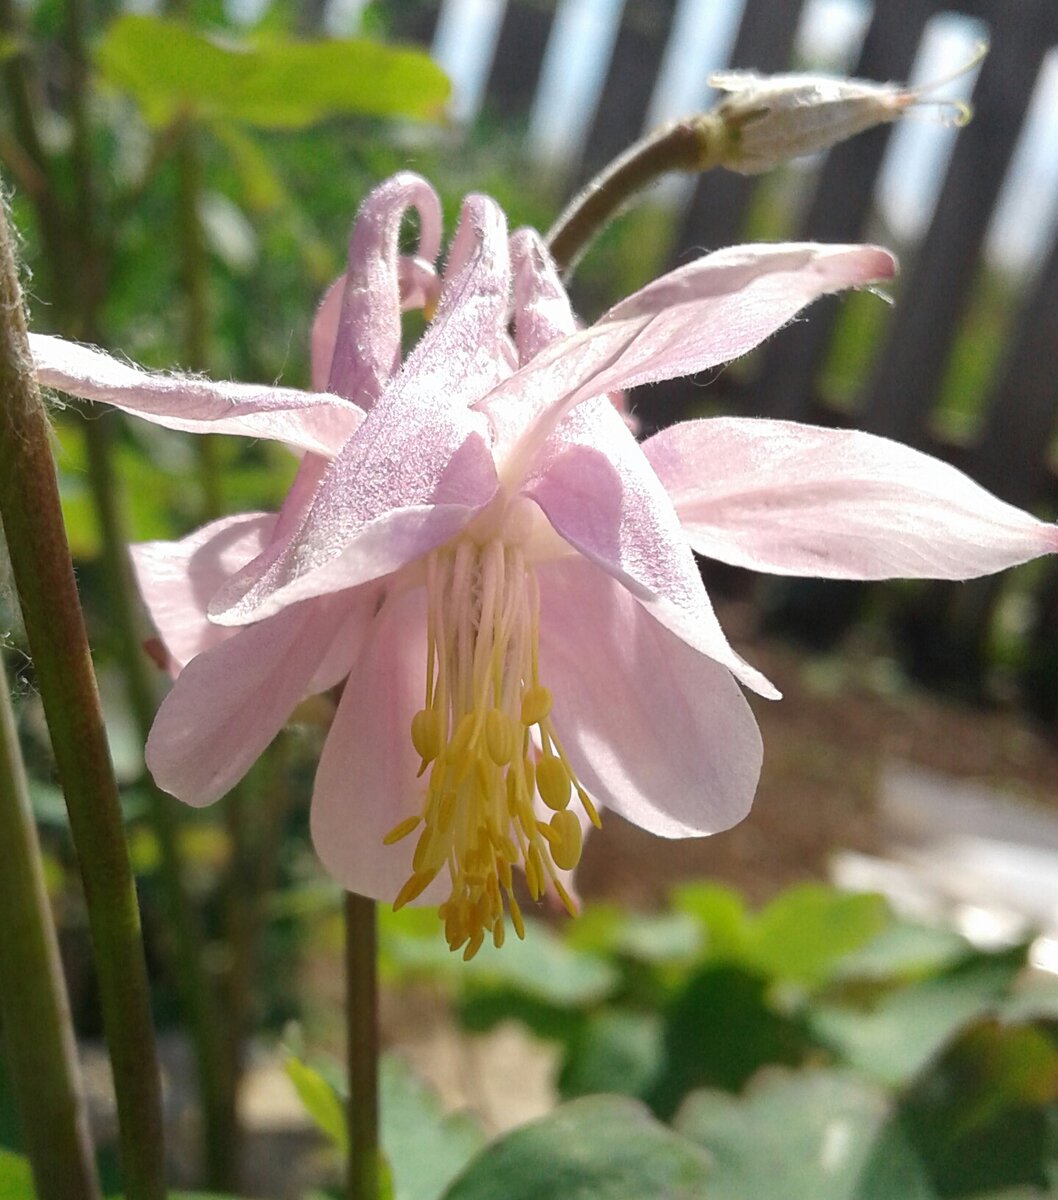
(717, 208)
(1010, 456)
(935, 293)
(519, 56)
(838, 212)
(411, 20)
(715, 214)
(1010, 459)
(630, 80)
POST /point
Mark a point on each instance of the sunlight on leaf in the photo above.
(598, 1148)
(16, 1179)
(171, 71)
(320, 1101)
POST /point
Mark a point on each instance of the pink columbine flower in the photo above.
(502, 579)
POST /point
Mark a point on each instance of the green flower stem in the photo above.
(361, 1003)
(198, 991)
(34, 1010)
(43, 575)
(695, 144)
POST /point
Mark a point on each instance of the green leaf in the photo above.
(978, 1115)
(893, 1038)
(720, 912)
(802, 933)
(598, 1148)
(614, 1051)
(172, 72)
(320, 1101)
(425, 1148)
(718, 1032)
(541, 967)
(904, 951)
(806, 1135)
(16, 1179)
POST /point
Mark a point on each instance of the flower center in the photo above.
(486, 766)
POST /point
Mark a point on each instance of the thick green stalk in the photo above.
(695, 144)
(43, 575)
(361, 1003)
(34, 1010)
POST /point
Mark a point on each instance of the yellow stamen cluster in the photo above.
(488, 748)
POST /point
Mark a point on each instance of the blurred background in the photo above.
(914, 754)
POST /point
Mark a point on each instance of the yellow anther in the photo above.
(532, 878)
(553, 782)
(413, 888)
(429, 853)
(516, 917)
(479, 773)
(566, 840)
(426, 733)
(536, 705)
(565, 897)
(589, 808)
(503, 870)
(457, 747)
(499, 737)
(444, 810)
(536, 861)
(400, 830)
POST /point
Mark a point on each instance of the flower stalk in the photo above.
(694, 144)
(43, 575)
(361, 973)
(34, 1009)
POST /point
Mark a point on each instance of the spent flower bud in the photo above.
(767, 120)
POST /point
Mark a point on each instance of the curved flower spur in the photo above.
(500, 575)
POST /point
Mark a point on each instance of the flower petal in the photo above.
(367, 333)
(420, 465)
(229, 703)
(542, 311)
(177, 579)
(308, 420)
(366, 781)
(796, 499)
(660, 733)
(600, 494)
(696, 317)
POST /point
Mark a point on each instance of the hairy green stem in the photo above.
(694, 144)
(44, 579)
(34, 1010)
(361, 974)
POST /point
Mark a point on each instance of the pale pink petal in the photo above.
(796, 499)
(694, 318)
(421, 448)
(366, 781)
(660, 733)
(325, 333)
(420, 287)
(600, 494)
(177, 579)
(377, 549)
(367, 335)
(229, 703)
(542, 311)
(307, 420)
